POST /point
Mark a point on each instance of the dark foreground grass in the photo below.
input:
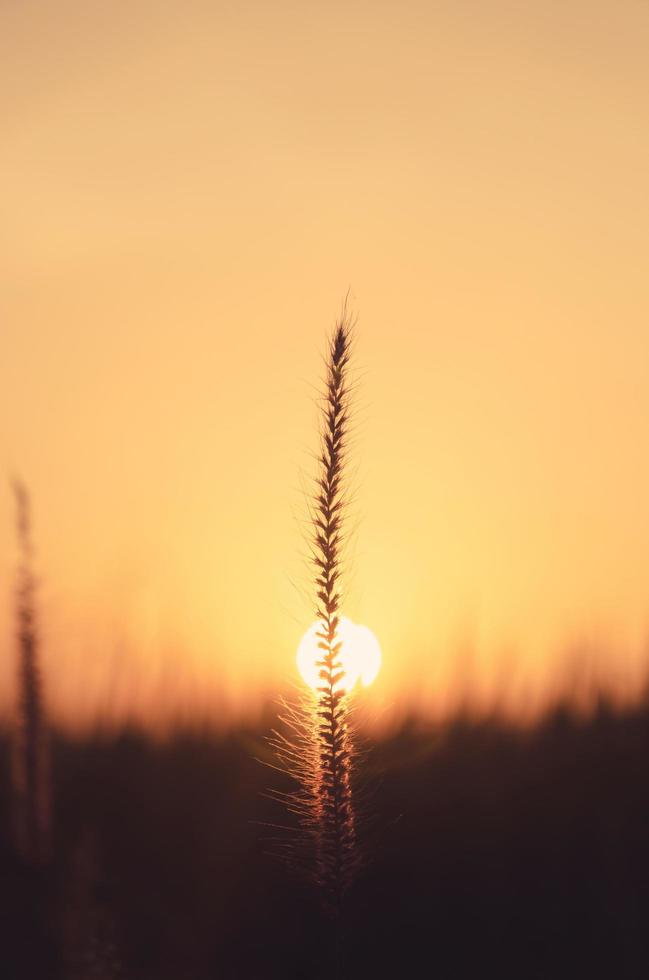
(496, 853)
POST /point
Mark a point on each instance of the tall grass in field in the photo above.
(336, 840)
(31, 776)
(319, 748)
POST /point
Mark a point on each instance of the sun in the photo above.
(360, 655)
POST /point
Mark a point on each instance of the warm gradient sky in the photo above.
(187, 191)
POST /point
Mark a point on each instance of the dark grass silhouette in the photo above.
(31, 783)
(316, 747)
(503, 853)
(333, 797)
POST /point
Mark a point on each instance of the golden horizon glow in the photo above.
(359, 657)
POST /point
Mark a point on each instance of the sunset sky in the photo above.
(188, 191)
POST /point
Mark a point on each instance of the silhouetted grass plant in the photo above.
(318, 748)
(31, 776)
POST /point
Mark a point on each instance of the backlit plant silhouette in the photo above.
(30, 757)
(319, 749)
(336, 840)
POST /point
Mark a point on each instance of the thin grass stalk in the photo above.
(336, 838)
(315, 744)
(31, 755)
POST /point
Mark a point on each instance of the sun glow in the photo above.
(360, 655)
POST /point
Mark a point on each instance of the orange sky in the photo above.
(187, 191)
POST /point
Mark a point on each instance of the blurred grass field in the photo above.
(494, 852)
